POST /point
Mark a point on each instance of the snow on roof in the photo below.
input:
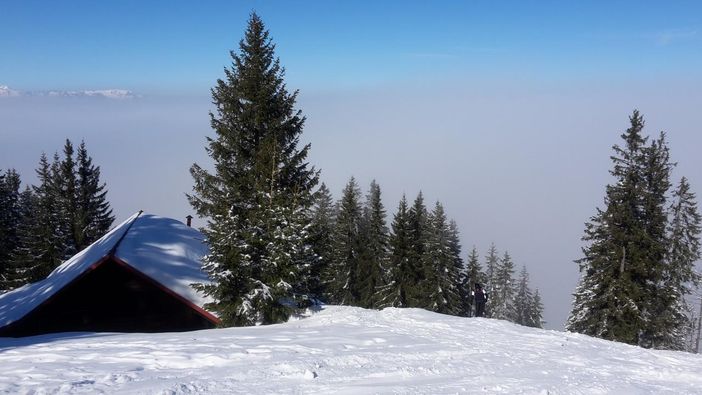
(163, 249)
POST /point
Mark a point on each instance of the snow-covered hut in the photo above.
(136, 278)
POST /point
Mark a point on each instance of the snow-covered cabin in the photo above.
(136, 278)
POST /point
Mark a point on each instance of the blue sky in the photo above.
(181, 47)
(505, 112)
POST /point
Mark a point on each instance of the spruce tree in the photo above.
(399, 277)
(416, 273)
(527, 309)
(373, 261)
(536, 312)
(625, 261)
(680, 279)
(24, 258)
(66, 183)
(656, 174)
(258, 196)
(46, 240)
(606, 300)
(323, 217)
(93, 216)
(342, 277)
(503, 295)
(459, 269)
(439, 265)
(10, 217)
(492, 262)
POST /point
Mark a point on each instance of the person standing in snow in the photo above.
(479, 298)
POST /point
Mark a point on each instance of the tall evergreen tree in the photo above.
(625, 263)
(66, 183)
(503, 295)
(606, 300)
(258, 197)
(342, 278)
(399, 277)
(93, 215)
(10, 217)
(23, 261)
(656, 169)
(685, 230)
(373, 262)
(321, 238)
(536, 312)
(680, 278)
(492, 263)
(526, 308)
(416, 274)
(439, 265)
(523, 297)
(454, 241)
(46, 241)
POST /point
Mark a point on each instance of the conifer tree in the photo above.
(66, 183)
(65, 213)
(680, 278)
(474, 275)
(492, 262)
(93, 215)
(399, 277)
(258, 197)
(342, 278)
(46, 240)
(10, 217)
(524, 300)
(606, 300)
(502, 300)
(625, 262)
(22, 259)
(685, 230)
(454, 242)
(536, 312)
(656, 169)
(321, 238)
(373, 261)
(439, 264)
(418, 219)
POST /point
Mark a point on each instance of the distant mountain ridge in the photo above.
(121, 94)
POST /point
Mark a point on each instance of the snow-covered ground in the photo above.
(346, 350)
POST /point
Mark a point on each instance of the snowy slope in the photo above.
(350, 351)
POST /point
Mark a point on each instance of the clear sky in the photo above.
(180, 45)
(504, 111)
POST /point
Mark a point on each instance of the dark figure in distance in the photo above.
(479, 298)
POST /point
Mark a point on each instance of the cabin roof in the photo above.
(163, 249)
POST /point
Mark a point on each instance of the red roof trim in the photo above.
(204, 313)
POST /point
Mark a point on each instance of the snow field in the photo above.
(349, 351)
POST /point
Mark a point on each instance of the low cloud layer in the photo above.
(523, 166)
(121, 94)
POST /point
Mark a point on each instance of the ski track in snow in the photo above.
(345, 350)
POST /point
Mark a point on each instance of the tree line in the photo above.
(417, 262)
(42, 225)
(638, 265)
(277, 241)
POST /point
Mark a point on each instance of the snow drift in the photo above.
(346, 350)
